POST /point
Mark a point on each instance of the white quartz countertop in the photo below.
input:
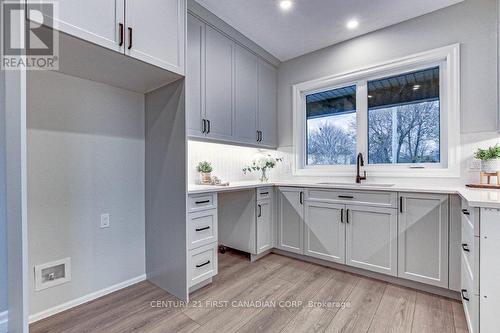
(475, 197)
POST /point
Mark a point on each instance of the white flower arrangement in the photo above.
(262, 163)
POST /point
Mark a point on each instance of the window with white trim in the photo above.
(403, 116)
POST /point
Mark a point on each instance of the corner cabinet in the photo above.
(151, 31)
(230, 91)
(423, 238)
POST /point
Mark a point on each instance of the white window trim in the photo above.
(448, 58)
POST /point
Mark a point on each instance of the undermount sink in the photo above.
(356, 184)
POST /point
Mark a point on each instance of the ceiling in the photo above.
(313, 24)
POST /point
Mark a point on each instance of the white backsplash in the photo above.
(229, 160)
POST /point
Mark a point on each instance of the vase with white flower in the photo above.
(262, 164)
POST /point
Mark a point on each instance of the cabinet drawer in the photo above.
(470, 301)
(470, 252)
(372, 198)
(202, 228)
(470, 215)
(264, 193)
(200, 202)
(202, 264)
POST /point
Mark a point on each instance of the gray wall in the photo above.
(85, 157)
(3, 238)
(472, 23)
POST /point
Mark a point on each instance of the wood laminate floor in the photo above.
(274, 294)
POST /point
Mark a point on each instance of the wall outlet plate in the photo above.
(105, 221)
(52, 274)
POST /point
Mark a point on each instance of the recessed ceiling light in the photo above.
(352, 24)
(416, 87)
(286, 4)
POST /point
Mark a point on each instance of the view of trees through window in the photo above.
(403, 121)
(331, 127)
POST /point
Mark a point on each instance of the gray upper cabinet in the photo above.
(151, 31)
(230, 91)
(325, 231)
(423, 238)
(245, 95)
(195, 74)
(291, 220)
(371, 238)
(267, 123)
(218, 85)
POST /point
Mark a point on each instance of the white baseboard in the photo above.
(4, 320)
(84, 299)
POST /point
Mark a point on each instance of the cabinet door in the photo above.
(423, 238)
(325, 231)
(371, 238)
(245, 95)
(290, 220)
(264, 226)
(96, 21)
(195, 73)
(158, 29)
(219, 83)
(267, 104)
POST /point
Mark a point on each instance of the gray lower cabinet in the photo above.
(264, 225)
(290, 229)
(423, 238)
(325, 231)
(371, 238)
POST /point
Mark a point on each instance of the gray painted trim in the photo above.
(214, 21)
(16, 200)
(166, 188)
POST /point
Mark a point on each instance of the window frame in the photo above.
(446, 58)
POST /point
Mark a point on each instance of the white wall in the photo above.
(472, 23)
(85, 158)
(3, 225)
(228, 161)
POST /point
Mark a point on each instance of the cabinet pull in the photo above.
(400, 204)
(258, 136)
(264, 193)
(260, 210)
(347, 216)
(465, 247)
(346, 197)
(261, 136)
(201, 229)
(208, 127)
(463, 292)
(204, 125)
(204, 264)
(342, 215)
(301, 197)
(120, 27)
(202, 202)
(465, 212)
(129, 38)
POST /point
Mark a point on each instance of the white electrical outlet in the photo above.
(104, 220)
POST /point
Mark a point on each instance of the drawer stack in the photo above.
(470, 266)
(202, 238)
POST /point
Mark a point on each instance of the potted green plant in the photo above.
(262, 163)
(490, 159)
(205, 170)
